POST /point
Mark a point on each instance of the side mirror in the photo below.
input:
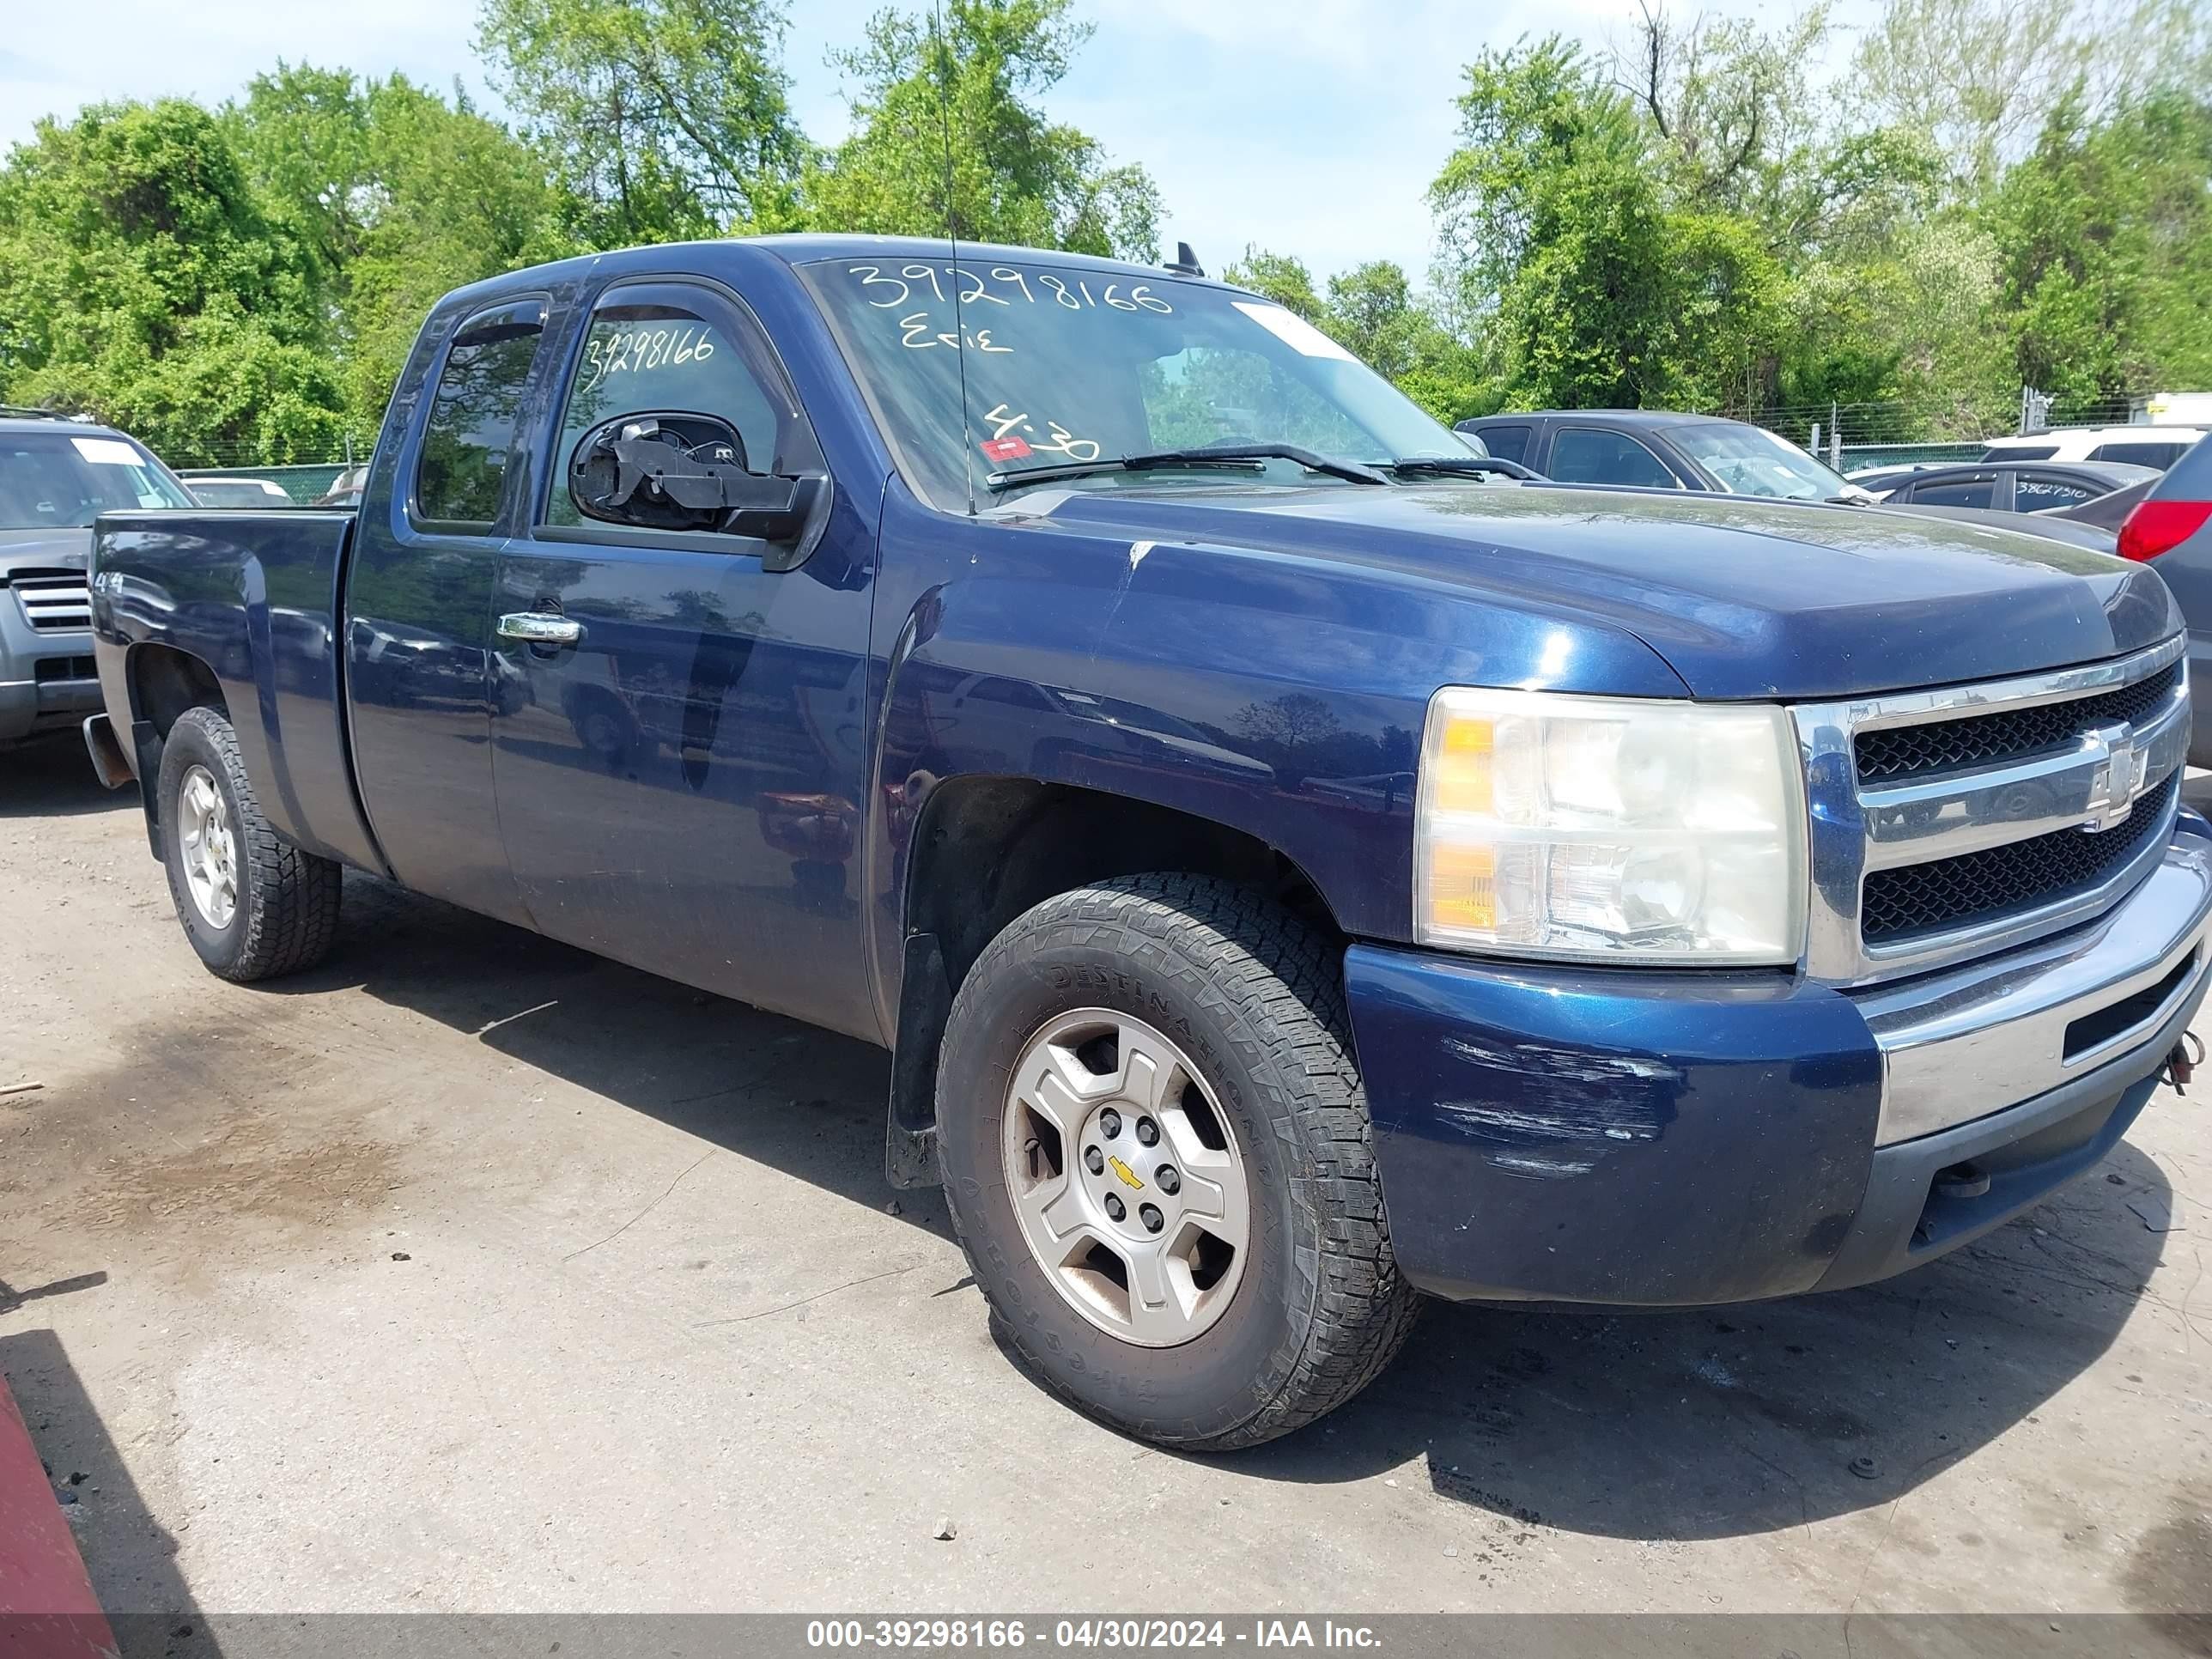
(677, 470)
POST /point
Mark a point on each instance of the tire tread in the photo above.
(290, 898)
(1285, 980)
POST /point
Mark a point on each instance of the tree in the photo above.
(948, 138)
(1588, 284)
(401, 195)
(146, 285)
(1282, 278)
(2104, 235)
(662, 118)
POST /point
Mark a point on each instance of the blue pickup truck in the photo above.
(1296, 863)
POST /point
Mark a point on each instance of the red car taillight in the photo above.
(2155, 527)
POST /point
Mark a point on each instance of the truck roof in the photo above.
(707, 257)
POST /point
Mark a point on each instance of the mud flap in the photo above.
(925, 1002)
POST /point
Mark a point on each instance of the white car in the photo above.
(238, 492)
(2139, 445)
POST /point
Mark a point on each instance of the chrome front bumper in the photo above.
(1963, 1044)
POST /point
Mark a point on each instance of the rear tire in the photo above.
(253, 905)
(1228, 992)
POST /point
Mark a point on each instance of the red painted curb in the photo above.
(47, 1609)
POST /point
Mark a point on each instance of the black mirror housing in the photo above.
(675, 470)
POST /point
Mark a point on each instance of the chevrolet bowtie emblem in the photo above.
(2117, 778)
(1129, 1178)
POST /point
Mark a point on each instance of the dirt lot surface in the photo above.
(471, 1273)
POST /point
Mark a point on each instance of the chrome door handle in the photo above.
(539, 627)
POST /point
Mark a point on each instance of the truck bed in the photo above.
(256, 594)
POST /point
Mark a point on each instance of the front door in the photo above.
(680, 769)
(420, 675)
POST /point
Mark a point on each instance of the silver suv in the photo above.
(55, 475)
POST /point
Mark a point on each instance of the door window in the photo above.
(1507, 443)
(677, 347)
(1588, 454)
(1976, 491)
(2160, 455)
(472, 417)
(2032, 494)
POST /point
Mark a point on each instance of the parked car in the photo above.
(2035, 487)
(55, 476)
(2157, 446)
(1658, 449)
(2053, 527)
(2170, 530)
(1879, 478)
(1291, 869)
(238, 492)
(2107, 512)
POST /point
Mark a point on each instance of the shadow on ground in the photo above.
(782, 1093)
(131, 1557)
(53, 778)
(1672, 1426)
(1722, 1422)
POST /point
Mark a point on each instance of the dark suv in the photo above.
(56, 475)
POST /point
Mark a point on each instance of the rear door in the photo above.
(420, 674)
(680, 786)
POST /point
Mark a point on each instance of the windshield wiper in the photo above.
(1463, 464)
(1236, 455)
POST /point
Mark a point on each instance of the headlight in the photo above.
(1610, 828)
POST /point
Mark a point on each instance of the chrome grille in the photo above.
(1916, 899)
(54, 603)
(1903, 752)
(1951, 823)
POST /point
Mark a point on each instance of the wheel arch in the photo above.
(987, 849)
(164, 681)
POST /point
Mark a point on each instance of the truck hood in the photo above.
(44, 549)
(1743, 598)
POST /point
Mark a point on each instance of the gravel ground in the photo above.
(471, 1272)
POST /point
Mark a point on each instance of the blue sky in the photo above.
(1311, 128)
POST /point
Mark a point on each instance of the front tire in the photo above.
(254, 907)
(1157, 1157)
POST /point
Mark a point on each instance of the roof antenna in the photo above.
(952, 238)
(1186, 263)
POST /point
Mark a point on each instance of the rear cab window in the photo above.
(469, 431)
(1507, 443)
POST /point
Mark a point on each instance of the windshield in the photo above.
(1067, 365)
(61, 480)
(1749, 460)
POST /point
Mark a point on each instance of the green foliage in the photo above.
(1994, 191)
(947, 135)
(661, 118)
(2104, 235)
(1283, 277)
(143, 282)
(1593, 284)
(402, 196)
